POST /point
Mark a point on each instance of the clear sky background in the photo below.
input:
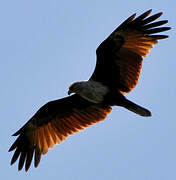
(45, 46)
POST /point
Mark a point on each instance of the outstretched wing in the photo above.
(119, 57)
(51, 124)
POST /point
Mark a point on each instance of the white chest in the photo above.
(93, 91)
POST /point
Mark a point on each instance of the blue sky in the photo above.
(45, 46)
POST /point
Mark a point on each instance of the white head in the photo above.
(89, 90)
(76, 87)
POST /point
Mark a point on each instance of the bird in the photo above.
(118, 66)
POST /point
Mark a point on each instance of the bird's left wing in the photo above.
(119, 57)
(51, 124)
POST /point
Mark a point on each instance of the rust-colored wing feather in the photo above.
(119, 57)
(53, 123)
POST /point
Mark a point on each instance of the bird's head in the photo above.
(76, 87)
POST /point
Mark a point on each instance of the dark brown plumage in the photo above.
(119, 62)
(119, 57)
(51, 124)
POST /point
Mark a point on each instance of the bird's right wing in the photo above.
(51, 124)
(119, 57)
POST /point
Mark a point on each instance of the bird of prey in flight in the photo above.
(118, 66)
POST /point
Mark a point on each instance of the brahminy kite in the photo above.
(118, 66)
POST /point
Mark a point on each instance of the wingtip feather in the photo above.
(143, 16)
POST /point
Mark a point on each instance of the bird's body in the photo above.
(118, 66)
(90, 90)
(97, 93)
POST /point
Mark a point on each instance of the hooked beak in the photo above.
(69, 92)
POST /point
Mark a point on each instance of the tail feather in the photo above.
(136, 108)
